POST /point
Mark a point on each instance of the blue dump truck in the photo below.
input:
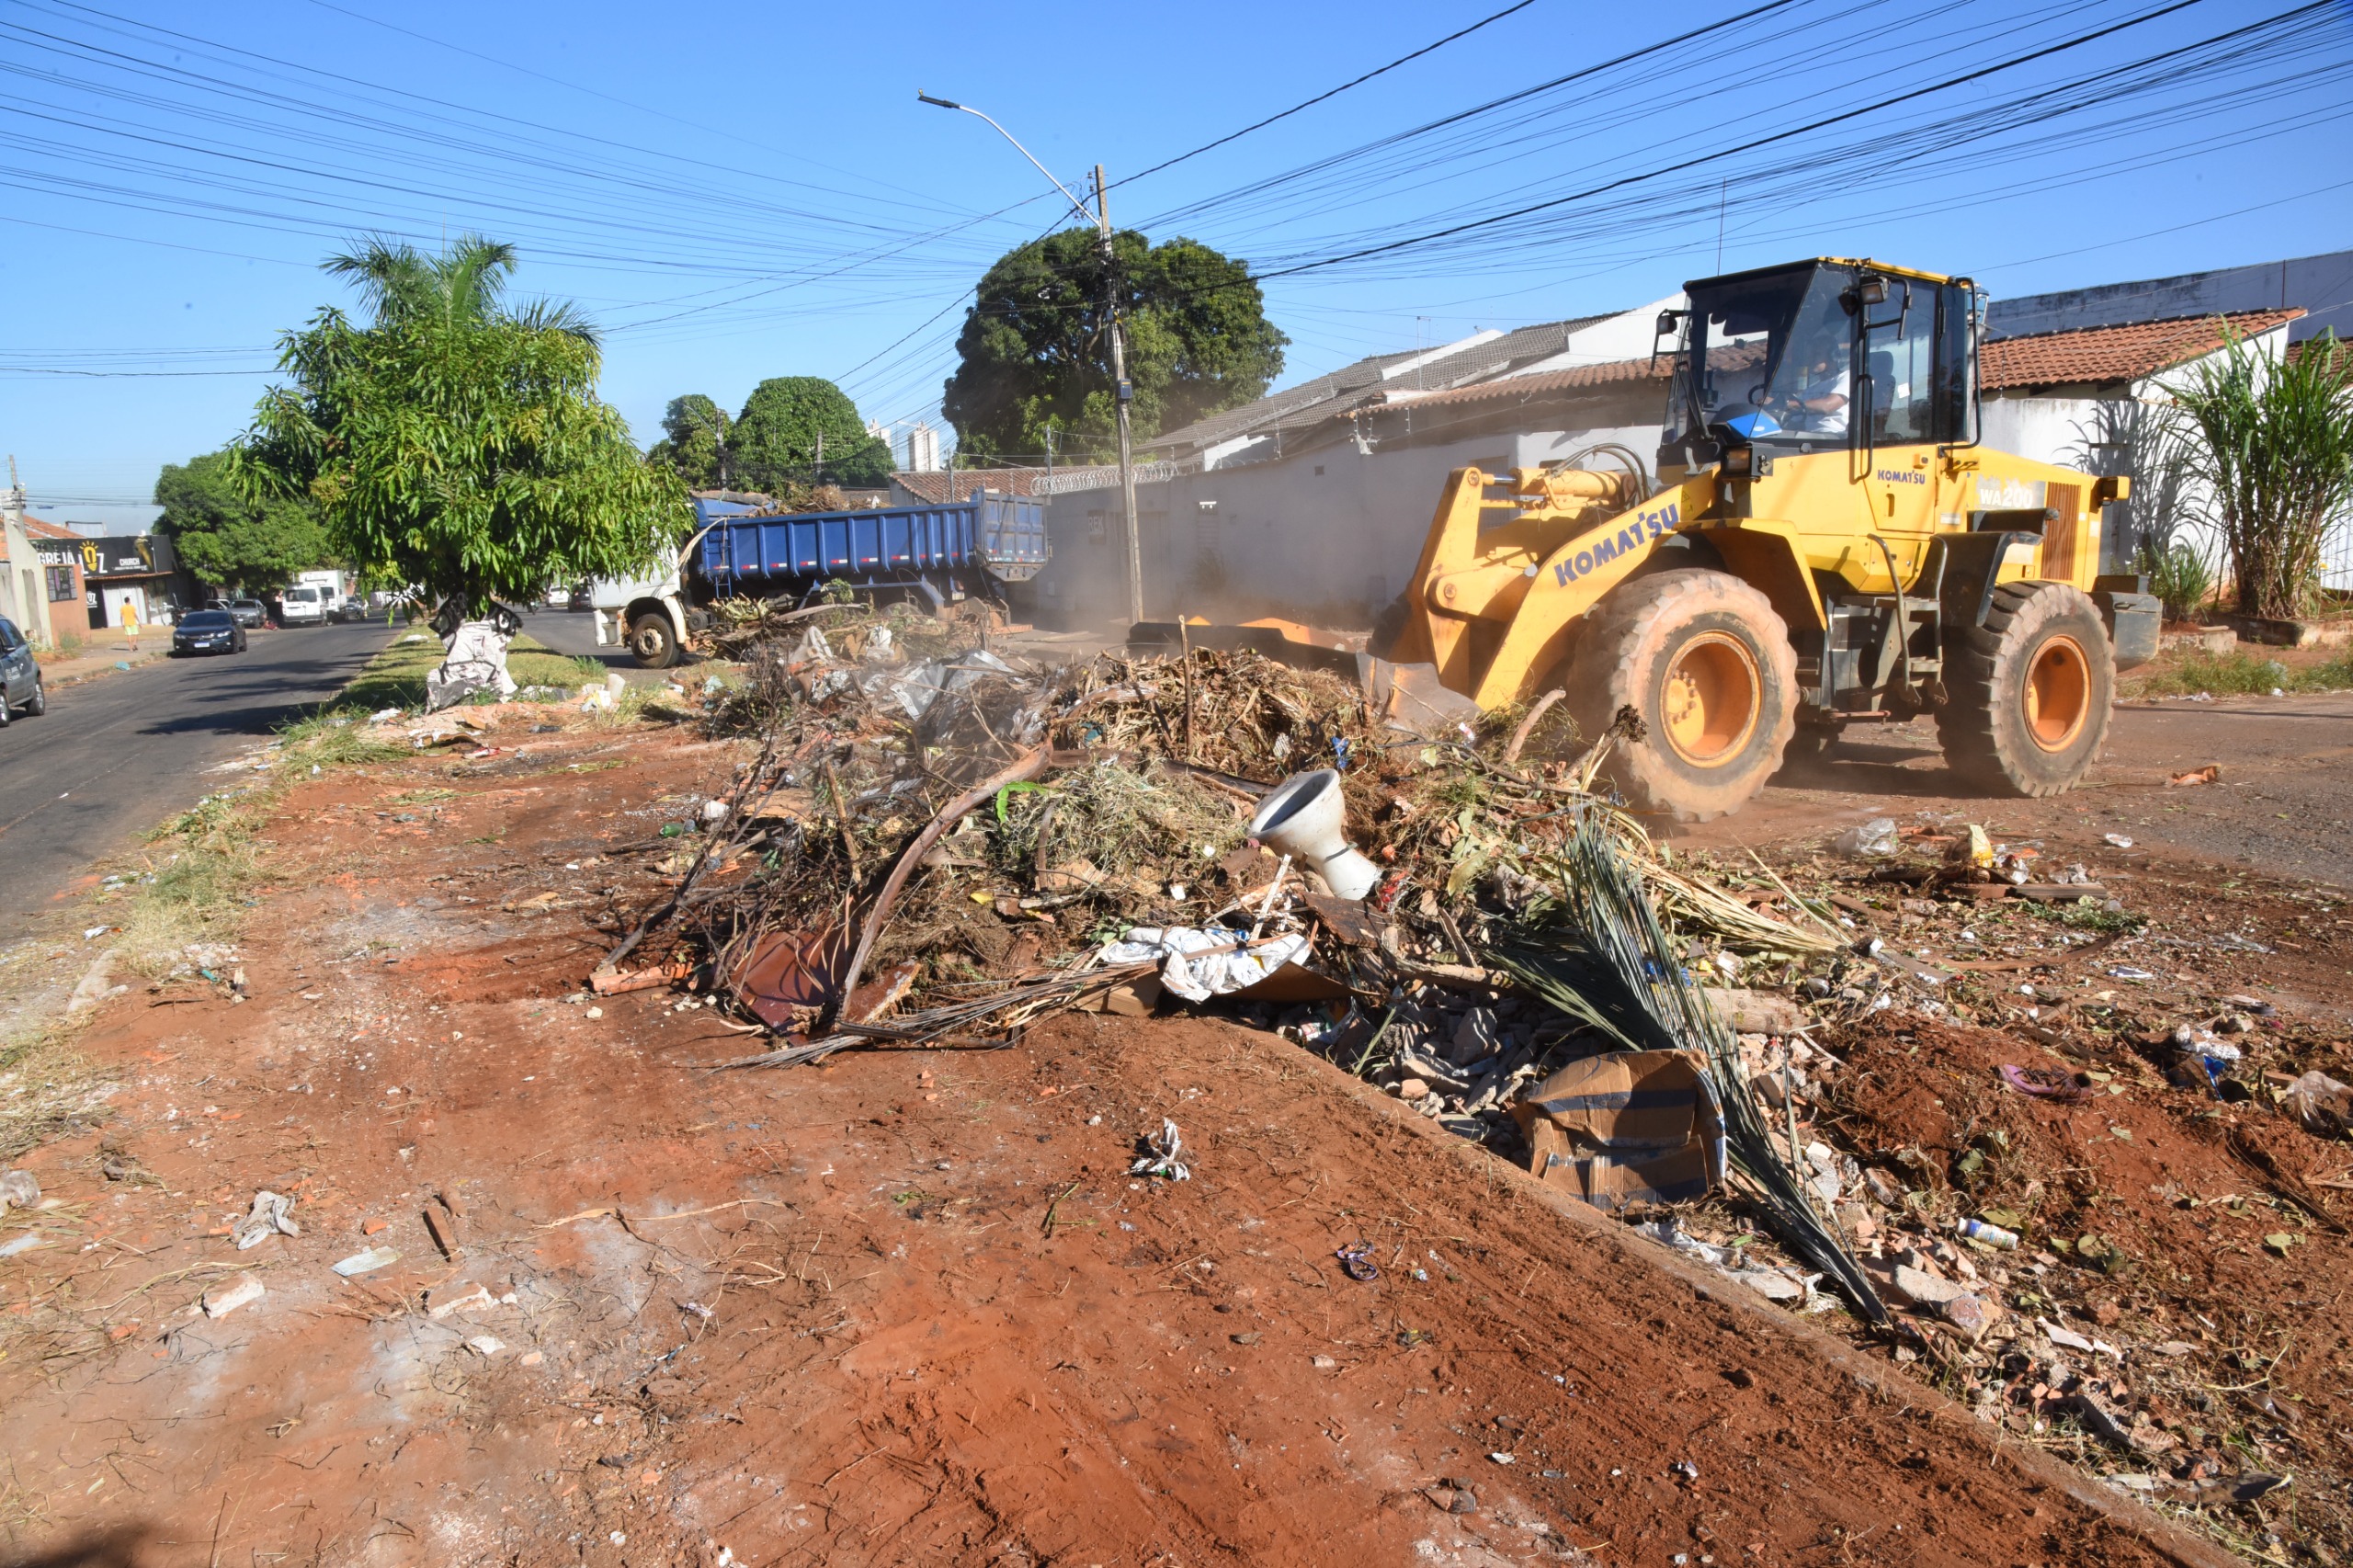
(934, 557)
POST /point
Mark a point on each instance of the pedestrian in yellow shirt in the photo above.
(131, 624)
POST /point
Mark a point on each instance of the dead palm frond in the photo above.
(1619, 974)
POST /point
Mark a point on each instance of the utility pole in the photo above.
(1124, 392)
(1125, 395)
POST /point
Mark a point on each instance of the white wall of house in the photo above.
(1329, 537)
(2107, 429)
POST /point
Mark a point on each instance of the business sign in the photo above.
(127, 556)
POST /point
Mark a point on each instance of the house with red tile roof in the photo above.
(2095, 398)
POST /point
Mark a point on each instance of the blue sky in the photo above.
(738, 191)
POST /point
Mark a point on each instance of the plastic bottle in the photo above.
(1992, 1235)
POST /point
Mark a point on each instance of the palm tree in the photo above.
(465, 284)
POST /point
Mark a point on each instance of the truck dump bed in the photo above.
(1003, 536)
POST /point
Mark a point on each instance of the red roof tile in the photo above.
(2123, 353)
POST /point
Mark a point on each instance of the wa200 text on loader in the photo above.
(1825, 543)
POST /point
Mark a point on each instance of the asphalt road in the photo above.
(115, 755)
(574, 634)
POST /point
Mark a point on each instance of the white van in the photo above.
(305, 605)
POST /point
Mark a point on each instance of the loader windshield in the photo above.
(1772, 357)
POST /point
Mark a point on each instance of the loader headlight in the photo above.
(1738, 461)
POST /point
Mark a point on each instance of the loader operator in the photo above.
(1818, 407)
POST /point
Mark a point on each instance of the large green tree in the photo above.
(228, 536)
(456, 442)
(696, 441)
(1034, 355)
(803, 430)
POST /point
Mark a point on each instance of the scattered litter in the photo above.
(1199, 964)
(2206, 774)
(478, 1297)
(222, 1300)
(18, 1190)
(2117, 839)
(1876, 836)
(2321, 1103)
(268, 1218)
(2046, 1083)
(1162, 1161)
(367, 1262)
(24, 1242)
(1629, 1127)
(1356, 1261)
(485, 1344)
(1984, 1231)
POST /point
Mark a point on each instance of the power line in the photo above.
(1823, 124)
(1322, 97)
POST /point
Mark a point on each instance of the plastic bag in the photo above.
(1876, 836)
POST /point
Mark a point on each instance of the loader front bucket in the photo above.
(1408, 696)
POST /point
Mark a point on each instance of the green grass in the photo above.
(2238, 673)
(395, 677)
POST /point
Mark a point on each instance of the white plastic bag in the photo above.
(1197, 965)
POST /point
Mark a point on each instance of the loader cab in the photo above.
(1819, 356)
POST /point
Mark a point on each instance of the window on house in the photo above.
(60, 582)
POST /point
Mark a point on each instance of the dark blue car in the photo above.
(208, 632)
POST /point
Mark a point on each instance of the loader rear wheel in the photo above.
(1704, 660)
(2030, 691)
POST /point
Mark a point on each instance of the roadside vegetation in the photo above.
(2272, 444)
(2237, 674)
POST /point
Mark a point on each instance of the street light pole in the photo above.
(1123, 392)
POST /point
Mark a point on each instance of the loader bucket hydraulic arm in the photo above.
(1494, 607)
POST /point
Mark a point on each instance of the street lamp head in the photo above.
(923, 97)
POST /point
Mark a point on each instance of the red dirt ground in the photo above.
(905, 1308)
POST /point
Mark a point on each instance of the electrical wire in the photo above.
(1326, 95)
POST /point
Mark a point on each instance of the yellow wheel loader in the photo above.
(1825, 543)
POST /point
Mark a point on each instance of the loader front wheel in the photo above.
(1701, 656)
(2030, 691)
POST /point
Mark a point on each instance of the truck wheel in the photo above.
(652, 642)
(1704, 660)
(2030, 691)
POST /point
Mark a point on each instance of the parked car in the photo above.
(208, 632)
(20, 686)
(351, 607)
(250, 614)
(304, 605)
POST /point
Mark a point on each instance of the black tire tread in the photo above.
(1968, 726)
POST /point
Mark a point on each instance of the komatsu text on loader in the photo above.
(1825, 543)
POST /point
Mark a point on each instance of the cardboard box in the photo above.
(1628, 1127)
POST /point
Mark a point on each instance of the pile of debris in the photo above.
(936, 845)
